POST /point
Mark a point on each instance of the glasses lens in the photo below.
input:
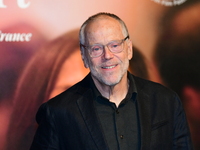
(96, 50)
(116, 46)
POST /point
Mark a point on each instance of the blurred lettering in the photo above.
(20, 3)
(15, 37)
(170, 2)
(2, 4)
(23, 4)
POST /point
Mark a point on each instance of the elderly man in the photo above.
(110, 108)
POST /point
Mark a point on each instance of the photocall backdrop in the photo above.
(40, 56)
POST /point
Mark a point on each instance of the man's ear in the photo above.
(130, 49)
(84, 58)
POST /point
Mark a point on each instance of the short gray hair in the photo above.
(94, 17)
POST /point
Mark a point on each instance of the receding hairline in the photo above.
(99, 16)
(98, 20)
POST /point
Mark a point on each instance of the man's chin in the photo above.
(110, 82)
(107, 80)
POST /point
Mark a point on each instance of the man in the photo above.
(110, 108)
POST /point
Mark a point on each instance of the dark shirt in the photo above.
(119, 124)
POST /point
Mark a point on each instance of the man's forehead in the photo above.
(101, 21)
(102, 24)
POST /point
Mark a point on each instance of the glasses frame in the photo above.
(87, 47)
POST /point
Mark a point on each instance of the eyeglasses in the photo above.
(98, 49)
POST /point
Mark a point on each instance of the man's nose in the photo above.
(107, 53)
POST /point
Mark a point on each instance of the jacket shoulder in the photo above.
(156, 91)
(150, 86)
(72, 94)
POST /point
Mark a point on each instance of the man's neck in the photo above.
(115, 93)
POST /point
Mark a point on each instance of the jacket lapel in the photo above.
(86, 106)
(145, 121)
(144, 113)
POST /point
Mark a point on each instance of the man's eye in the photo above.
(114, 45)
(96, 48)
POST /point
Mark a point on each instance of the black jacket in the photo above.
(69, 121)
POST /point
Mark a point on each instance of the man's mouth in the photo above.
(109, 67)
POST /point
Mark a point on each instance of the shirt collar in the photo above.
(132, 91)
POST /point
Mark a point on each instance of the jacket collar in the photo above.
(86, 106)
(144, 112)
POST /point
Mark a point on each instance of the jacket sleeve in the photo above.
(182, 140)
(46, 136)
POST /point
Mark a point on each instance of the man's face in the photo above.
(109, 68)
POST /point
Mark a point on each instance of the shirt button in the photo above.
(117, 111)
(121, 136)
